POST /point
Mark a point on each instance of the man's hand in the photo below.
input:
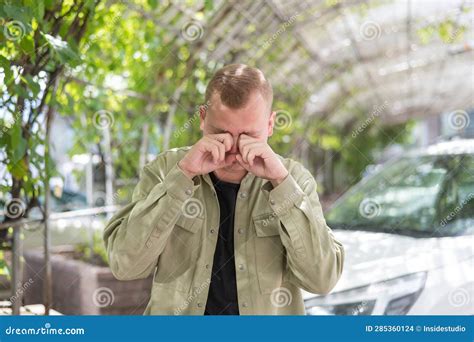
(257, 157)
(207, 155)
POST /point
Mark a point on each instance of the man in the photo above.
(227, 225)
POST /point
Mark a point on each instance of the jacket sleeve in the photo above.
(314, 257)
(137, 234)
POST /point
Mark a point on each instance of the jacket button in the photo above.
(241, 267)
(272, 202)
(240, 231)
(244, 304)
(207, 265)
(212, 231)
(243, 195)
(189, 192)
(200, 305)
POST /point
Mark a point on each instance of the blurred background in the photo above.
(374, 97)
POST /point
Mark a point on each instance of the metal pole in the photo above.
(90, 181)
(109, 170)
(17, 251)
(63, 215)
(90, 194)
(47, 289)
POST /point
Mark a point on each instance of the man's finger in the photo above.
(257, 151)
(245, 140)
(246, 148)
(224, 138)
(213, 149)
(220, 147)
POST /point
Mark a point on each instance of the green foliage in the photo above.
(4, 268)
(363, 149)
(125, 64)
(38, 42)
(94, 252)
(448, 31)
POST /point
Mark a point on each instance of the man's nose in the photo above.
(235, 147)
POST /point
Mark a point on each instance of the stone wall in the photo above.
(80, 288)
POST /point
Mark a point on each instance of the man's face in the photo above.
(255, 119)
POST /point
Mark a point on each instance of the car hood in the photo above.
(372, 257)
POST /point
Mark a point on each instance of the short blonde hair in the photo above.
(234, 83)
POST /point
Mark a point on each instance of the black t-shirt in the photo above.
(222, 299)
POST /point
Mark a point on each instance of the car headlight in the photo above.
(390, 297)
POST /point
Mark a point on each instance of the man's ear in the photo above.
(271, 122)
(202, 116)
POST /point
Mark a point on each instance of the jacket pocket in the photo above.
(269, 251)
(191, 224)
(177, 262)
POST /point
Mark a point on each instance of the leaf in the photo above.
(4, 136)
(28, 46)
(49, 4)
(17, 144)
(19, 90)
(34, 86)
(18, 170)
(38, 10)
(330, 142)
(22, 14)
(6, 66)
(62, 50)
(209, 5)
(153, 3)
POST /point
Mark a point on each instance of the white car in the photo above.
(408, 236)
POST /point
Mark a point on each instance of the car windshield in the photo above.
(431, 195)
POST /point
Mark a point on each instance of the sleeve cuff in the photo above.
(285, 195)
(178, 185)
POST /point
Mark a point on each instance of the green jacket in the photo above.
(281, 239)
